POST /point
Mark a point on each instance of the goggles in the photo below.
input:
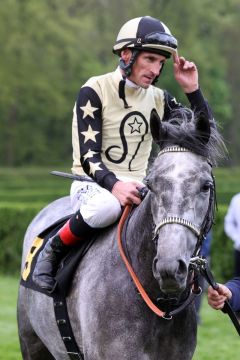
(160, 38)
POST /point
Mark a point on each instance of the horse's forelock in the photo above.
(181, 131)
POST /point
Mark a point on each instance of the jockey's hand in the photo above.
(127, 192)
(216, 298)
(186, 74)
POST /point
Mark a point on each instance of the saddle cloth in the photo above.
(67, 266)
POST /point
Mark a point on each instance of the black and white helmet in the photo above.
(146, 33)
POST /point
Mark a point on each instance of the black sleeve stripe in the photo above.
(89, 120)
(197, 102)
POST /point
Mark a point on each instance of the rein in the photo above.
(139, 286)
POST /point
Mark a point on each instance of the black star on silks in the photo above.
(135, 126)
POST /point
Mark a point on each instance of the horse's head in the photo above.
(182, 197)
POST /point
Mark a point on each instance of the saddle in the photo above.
(67, 266)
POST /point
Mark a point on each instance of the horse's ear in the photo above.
(155, 125)
(203, 128)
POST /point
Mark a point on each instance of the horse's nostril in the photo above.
(182, 268)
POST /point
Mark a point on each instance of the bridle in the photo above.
(199, 232)
(194, 289)
(198, 264)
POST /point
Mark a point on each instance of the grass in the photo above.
(9, 344)
(217, 338)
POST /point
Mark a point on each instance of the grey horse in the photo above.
(109, 317)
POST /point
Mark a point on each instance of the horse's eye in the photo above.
(206, 186)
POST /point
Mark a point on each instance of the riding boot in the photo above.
(48, 262)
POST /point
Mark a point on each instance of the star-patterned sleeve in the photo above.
(196, 100)
(89, 119)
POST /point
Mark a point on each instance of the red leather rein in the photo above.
(139, 286)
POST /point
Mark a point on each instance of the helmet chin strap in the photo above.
(127, 68)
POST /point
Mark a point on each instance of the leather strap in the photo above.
(135, 279)
(65, 328)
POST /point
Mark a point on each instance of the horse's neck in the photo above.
(139, 242)
(140, 227)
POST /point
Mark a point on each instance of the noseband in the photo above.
(209, 217)
(177, 220)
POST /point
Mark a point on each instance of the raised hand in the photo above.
(186, 74)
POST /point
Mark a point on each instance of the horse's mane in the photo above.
(180, 130)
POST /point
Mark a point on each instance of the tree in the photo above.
(51, 47)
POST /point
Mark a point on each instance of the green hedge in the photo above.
(14, 221)
(221, 248)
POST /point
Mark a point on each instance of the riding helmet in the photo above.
(148, 34)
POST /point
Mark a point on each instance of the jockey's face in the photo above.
(146, 67)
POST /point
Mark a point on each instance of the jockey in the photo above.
(111, 137)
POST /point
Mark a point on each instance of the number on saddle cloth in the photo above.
(67, 266)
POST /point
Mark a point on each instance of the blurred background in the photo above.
(49, 48)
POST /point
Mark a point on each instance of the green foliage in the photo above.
(23, 192)
(221, 249)
(14, 222)
(45, 62)
(32, 187)
(50, 48)
(227, 183)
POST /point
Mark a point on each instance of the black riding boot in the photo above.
(48, 262)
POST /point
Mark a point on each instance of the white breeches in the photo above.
(98, 207)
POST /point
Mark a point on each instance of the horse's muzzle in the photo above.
(170, 274)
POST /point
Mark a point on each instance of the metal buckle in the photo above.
(167, 317)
